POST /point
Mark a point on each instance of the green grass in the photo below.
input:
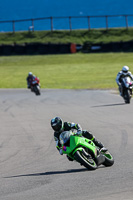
(75, 36)
(70, 71)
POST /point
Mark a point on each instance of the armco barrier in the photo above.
(1, 50)
(108, 47)
(43, 49)
(31, 49)
(7, 49)
(19, 49)
(34, 49)
(40, 48)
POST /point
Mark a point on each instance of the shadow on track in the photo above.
(115, 104)
(51, 173)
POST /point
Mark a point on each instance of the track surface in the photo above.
(31, 167)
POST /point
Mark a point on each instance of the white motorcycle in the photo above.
(126, 87)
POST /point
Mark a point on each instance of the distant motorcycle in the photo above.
(127, 86)
(35, 86)
(84, 151)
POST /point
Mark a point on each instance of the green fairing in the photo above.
(84, 151)
(76, 143)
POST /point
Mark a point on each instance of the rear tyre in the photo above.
(89, 163)
(109, 160)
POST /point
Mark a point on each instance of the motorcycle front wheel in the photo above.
(37, 90)
(127, 96)
(89, 163)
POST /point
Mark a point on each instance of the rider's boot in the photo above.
(99, 144)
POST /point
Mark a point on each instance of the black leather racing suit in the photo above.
(29, 80)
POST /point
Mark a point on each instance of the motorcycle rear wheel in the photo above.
(89, 163)
(109, 160)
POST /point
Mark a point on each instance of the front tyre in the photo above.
(37, 90)
(89, 163)
(127, 96)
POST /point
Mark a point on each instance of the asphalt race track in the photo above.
(31, 167)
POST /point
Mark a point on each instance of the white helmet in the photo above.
(125, 70)
(30, 73)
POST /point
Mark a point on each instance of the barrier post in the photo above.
(89, 26)
(51, 23)
(13, 26)
(70, 24)
(32, 24)
(106, 22)
(126, 21)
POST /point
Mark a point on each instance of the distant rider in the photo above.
(123, 73)
(30, 79)
(59, 126)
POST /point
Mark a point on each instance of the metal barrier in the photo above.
(74, 25)
(45, 49)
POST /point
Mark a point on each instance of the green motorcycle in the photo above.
(84, 151)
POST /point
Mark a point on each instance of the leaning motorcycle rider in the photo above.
(59, 126)
(123, 73)
(29, 79)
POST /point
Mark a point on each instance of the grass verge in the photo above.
(70, 71)
(75, 36)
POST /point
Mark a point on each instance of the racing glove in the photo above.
(60, 151)
(79, 133)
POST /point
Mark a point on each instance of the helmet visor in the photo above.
(125, 71)
(56, 127)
